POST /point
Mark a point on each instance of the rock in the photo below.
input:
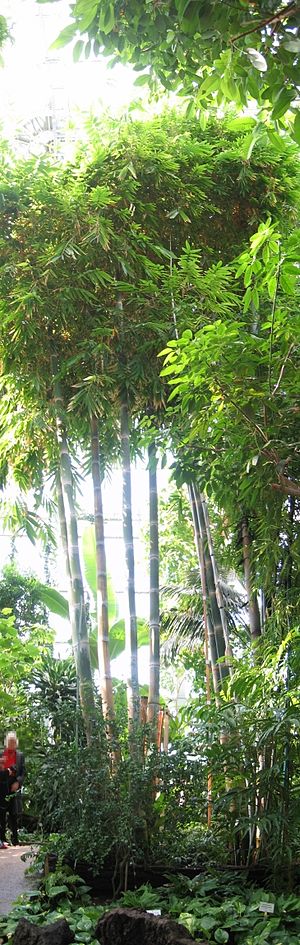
(57, 933)
(136, 927)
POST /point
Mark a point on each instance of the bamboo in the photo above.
(131, 620)
(101, 578)
(210, 630)
(253, 608)
(80, 639)
(153, 700)
(219, 592)
(217, 642)
(209, 642)
(63, 528)
(166, 731)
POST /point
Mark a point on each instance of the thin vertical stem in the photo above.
(253, 608)
(131, 621)
(219, 592)
(101, 578)
(70, 538)
(153, 700)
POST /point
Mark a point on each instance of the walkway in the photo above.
(13, 881)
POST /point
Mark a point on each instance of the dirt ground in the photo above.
(13, 881)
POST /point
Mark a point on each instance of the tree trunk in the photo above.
(101, 577)
(63, 529)
(77, 610)
(219, 592)
(209, 641)
(220, 670)
(153, 699)
(202, 561)
(131, 620)
(253, 608)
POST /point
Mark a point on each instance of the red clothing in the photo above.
(9, 757)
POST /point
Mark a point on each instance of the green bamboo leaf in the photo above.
(272, 282)
(248, 276)
(296, 128)
(247, 299)
(282, 103)
(106, 18)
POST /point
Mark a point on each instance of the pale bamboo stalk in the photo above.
(166, 731)
(253, 608)
(208, 635)
(80, 639)
(200, 556)
(219, 592)
(153, 699)
(101, 579)
(217, 640)
(131, 619)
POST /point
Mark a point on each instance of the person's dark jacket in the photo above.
(20, 767)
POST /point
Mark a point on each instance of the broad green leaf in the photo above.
(89, 560)
(282, 103)
(142, 80)
(88, 14)
(221, 936)
(257, 60)
(293, 44)
(181, 6)
(55, 601)
(117, 636)
(207, 922)
(272, 282)
(78, 48)
(65, 37)
(107, 19)
(57, 891)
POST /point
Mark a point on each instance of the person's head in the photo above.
(11, 741)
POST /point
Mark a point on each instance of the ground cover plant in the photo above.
(221, 908)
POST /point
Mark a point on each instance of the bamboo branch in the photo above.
(287, 486)
(277, 385)
(272, 326)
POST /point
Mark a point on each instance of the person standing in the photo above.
(14, 763)
(4, 792)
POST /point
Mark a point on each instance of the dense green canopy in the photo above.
(212, 52)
